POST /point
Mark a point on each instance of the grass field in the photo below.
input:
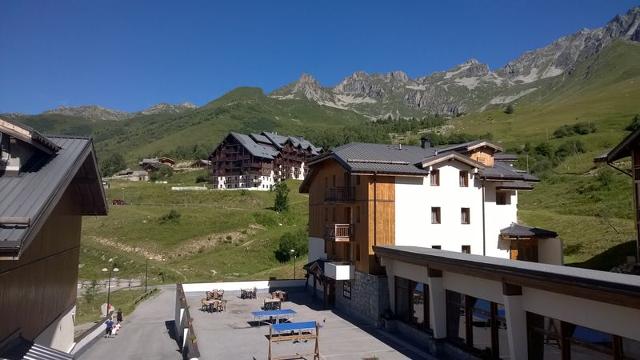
(219, 235)
(89, 311)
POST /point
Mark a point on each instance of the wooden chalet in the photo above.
(258, 161)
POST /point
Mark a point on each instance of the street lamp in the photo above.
(293, 252)
(112, 268)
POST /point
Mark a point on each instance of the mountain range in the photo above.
(467, 87)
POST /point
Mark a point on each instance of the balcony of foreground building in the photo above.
(339, 232)
(339, 270)
(340, 194)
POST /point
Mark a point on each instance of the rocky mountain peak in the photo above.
(92, 112)
(168, 108)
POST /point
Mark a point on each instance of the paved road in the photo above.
(144, 334)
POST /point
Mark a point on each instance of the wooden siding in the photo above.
(483, 155)
(41, 286)
(372, 213)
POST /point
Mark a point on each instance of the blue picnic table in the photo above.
(263, 315)
(297, 326)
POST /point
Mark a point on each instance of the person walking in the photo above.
(119, 316)
(109, 328)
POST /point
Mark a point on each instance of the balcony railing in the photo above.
(339, 232)
(340, 194)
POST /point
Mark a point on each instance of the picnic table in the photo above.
(278, 315)
(248, 293)
(214, 305)
(297, 331)
(272, 304)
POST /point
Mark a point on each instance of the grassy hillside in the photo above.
(218, 235)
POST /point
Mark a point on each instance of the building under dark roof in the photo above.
(47, 183)
(364, 158)
(257, 161)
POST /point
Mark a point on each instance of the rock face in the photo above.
(465, 87)
(95, 112)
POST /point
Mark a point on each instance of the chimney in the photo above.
(425, 143)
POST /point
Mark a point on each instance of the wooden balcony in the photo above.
(339, 232)
(340, 194)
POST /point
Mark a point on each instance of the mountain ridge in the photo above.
(469, 86)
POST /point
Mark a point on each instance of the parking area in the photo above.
(233, 334)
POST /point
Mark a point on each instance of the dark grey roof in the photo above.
(464, 147)
(515, 185)
(260, 138)
(518, 230)
(381, 158)
(46, 353)
(505, 157)
(256, 149)
(503, 171)
(32, 194)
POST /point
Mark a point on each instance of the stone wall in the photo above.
(369, 297)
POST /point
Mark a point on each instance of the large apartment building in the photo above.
(460, 198)
(47, 183)
(258, 161)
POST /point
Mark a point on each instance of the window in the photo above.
(503, 198)
(464, 179)
(465, 216)
(435, 177)
(357, 180)
(412, 302)
(437, 247)
(466, 249)
(346, 289)
(435, 215)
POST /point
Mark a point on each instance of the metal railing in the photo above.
(339, 232)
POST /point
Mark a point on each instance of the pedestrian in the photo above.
(109, 324)
(119, 316)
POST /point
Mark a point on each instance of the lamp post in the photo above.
(112, 268)
(146, 272)
(293, 252)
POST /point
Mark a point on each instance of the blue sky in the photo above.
(128, 55)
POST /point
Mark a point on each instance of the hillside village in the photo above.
(465, 214)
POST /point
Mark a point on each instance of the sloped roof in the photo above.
(518, 230)
(381, 158)
(623, 149)
(505, 157)
(29, 135)
(468, 146)
(502, 171)
(26, 200)
(256, 149)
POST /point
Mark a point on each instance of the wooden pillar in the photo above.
(495, 336)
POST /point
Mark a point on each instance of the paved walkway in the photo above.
(144, 334)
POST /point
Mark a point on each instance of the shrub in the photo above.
(201, 179)
(605, 177)
(173, 216)
(509, 109)
(112, 164)
(571, 147)
(635, 124)
(281, 202)
(581, 128)
(164, 172)
(296, 241)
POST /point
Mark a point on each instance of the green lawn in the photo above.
(89, 311)
(218, 235)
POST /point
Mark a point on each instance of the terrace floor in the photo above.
(233, 334)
